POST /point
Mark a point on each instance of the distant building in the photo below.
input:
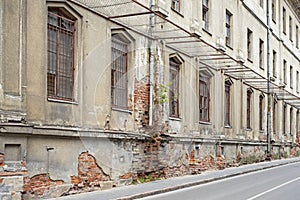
(99, 92)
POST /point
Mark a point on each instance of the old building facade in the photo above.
(98, 93)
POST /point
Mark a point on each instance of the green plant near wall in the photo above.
(164, 93)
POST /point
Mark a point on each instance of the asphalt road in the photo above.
(279, 183)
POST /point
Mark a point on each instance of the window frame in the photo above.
(284, 71)
(291, 76)
(204, 99)
(291, 28)
(274, 10)
(119, 74)
(227, 103)
(205, 15)
(249, 109)
(176, 5)
(261, 112)
(274, 63)
(261, 54)
(284, 20)
(274, 116)
(291, 120)
(249, 44)
(228, 28)
(284, 119)
(60, 55)
(174, 90)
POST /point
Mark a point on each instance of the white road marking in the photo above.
(274, 188)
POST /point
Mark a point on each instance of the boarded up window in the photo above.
(12, 152)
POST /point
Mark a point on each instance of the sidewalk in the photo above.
(161, 186)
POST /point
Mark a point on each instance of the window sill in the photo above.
(207, 31)
(178, 12)
(61, 101)
(250, 60)
(121, 110)
(262, 68)
(175, 118)
(248, 129)
(228, 126)
(229, 46)
(205, 123)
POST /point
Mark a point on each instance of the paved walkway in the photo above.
(161, 186)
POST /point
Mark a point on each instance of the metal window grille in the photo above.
(204, 98)
(249, 94)
(261, 54)
(119, 56)
(176, 5)
(174, 88)
(205, 14)
(60, 73)
(261, 98)
(228, 28)
(227, 103)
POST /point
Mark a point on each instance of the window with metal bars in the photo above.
(176, 5)
(119, 83)
(204, 97)
(261, 111)
(205, 17)
(60, 71)
(227, 103)
(174, 87)
(249, 111)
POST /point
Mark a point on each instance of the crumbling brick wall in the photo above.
(90, 175)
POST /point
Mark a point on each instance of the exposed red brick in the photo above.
(39, 184)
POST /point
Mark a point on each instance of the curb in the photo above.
(191, 184)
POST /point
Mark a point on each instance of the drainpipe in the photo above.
(268, 83)
(151, 65)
